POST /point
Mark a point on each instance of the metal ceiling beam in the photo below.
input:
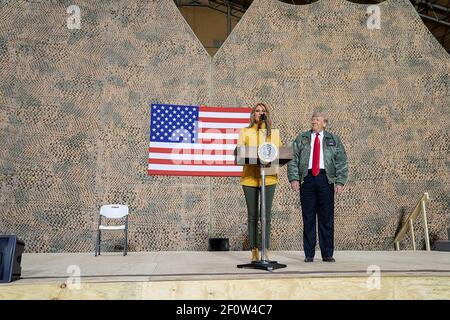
(234, 5)
(228, 7)
(209, 7)
(442, 22)
(432, 5)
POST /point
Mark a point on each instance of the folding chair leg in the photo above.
(96, 243)
(99, 235)
(125, 247)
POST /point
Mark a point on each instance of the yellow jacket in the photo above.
(248, 137)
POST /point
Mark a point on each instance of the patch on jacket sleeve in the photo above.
(330, 141)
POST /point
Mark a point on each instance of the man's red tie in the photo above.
(316, 156)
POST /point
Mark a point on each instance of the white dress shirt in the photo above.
(313, 137)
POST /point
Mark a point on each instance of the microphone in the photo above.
(262, 117)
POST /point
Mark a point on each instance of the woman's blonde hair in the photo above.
(268, 119)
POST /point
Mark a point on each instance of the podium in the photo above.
(249, 155)
(265, 156)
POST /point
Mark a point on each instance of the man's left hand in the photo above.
(338, 188)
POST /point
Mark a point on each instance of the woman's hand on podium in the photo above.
(295, 185)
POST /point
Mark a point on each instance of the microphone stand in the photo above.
(264, 263)
(263, 200)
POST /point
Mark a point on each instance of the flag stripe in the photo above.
(195, 168)
(177, 157)
(191, 162)
(222, 115)
(225, 110)
(190, 151)
(194, 173)
(221, 125)
(216, 135)
(228, 120)
(218, 141)
(217, 130)
(193, 146)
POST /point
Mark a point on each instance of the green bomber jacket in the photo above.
(334, 158)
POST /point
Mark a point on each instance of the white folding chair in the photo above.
(112, 211)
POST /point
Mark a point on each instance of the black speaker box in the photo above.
(11, 250)
(442, 245)
(218, 244)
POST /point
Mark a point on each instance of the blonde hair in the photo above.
(268, 119)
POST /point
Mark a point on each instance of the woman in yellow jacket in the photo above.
(254, 135)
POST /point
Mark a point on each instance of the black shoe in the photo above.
(309, 259)
(329, 259)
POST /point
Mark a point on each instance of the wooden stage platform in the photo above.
(214, 275)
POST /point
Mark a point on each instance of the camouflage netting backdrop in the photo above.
(74, 118)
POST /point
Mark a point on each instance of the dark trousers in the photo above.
(253, 205)
(317, 198)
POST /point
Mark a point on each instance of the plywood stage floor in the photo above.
(214, 275)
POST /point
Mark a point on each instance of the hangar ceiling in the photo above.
(435, 13)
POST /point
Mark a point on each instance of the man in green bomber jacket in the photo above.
(318, 170)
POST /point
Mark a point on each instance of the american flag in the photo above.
(194, 140)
